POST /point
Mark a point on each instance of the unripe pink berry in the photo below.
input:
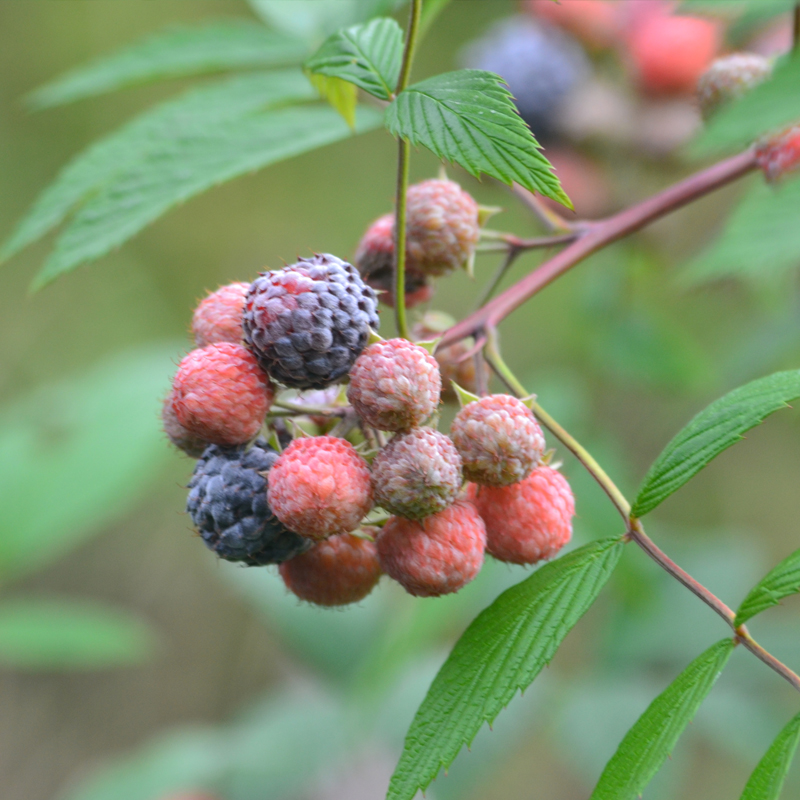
(218, 318)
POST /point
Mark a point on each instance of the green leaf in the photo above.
(65, 634)
(501, 652)
(766, 781)
(342, 95)
(653, 736)
(178, 168)
(771, 106)
(780, 582)
(760, 239)
(195, 110)
(313, 20)
(468, 117)
(713, 430)
(368, 56)
(175, 53)
(77, 453)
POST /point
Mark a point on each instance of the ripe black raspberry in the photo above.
(308, 323)
(541, 65)
(228, 505)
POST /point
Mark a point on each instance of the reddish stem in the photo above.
(599, 235)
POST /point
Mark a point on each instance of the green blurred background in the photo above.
(314, 703)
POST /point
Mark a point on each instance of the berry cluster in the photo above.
(337, 487)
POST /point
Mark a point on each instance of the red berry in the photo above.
(417, 474)
(320, 486)
(218, 318)
(730, 77)
(394, 385)
(595, 22)
(192, 445)
(339, 570)
(437, 555)
(375, 261)
(670, 53)
(527, 521)
(499, 440)
(443, 227)
(220, 394)
(780, 154)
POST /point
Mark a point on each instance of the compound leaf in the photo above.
(771, 106)
(368, 56)
(180, 167)
(173, 53)
(780, 582)
(192, 111)
(713, 430)
(653, 736)
(766, 780)
(502, 651)
(760, 239)
(468, 117)
(66, 634)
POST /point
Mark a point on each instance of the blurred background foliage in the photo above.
(222, 684)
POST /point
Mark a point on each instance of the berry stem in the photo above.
(598, 235)
(403, 156)
(634, 529)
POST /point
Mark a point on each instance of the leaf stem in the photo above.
(600, 234)
(403, 156)
(634, 529)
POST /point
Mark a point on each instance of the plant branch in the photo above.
(634, 529)
(551, 220)
(599, 235)
(403, 156)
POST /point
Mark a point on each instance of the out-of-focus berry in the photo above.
(779, 155)
(182, 439)
(218, 318)
(320, 486)
(437, 555)
(596, 23)
(338, 571)
(730, 77)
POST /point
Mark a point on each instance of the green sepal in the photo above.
(429, 344)
(464, 397)
(529, 401)
(485, 213)
(273, 441)
(374, 337)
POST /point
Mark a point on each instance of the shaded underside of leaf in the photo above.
(368, 56)
(766, 780)
(185, 165)
(778, 583)
(468, 117)
(653, 736)
(713, 430)
(66, 634)
(501, 652)
(770, 106)
(192, 111)
(231, 44)
(761, 238)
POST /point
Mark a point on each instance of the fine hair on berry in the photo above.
(337, 571)
(319, 486)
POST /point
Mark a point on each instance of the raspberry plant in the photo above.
(308, 326)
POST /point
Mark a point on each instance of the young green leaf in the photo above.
(340, 94)
(713, 430)
(175, 53)
(91, 443)
(178, 168)
(771, 106)
(193, 111)
(368, 56)
(760, 239)
(647, 744)
(468, 117)
(778, 583)
(65, 634)
(501, 652)
(766, 780)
